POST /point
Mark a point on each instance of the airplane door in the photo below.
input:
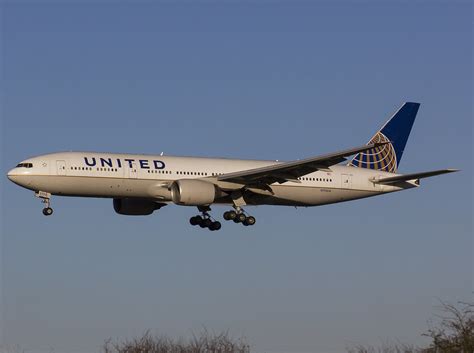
(133, 171)
(61, 167)
(346, 181)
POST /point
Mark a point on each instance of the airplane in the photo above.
(142, 184)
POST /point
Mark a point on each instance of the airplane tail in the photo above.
(396, 131)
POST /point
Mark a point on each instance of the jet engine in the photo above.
(136, 207)
(190, 192)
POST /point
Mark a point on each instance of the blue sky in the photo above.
(270, 80)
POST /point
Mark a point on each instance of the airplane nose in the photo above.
(11, 175)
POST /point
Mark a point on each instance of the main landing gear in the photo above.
(238, 216)
(205, 220)
(46, 199)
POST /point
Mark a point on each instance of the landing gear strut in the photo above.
(205, 220)
(46, 199)
(238, 216)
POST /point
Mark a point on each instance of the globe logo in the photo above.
(379, 158)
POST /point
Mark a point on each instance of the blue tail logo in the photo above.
(396, 131)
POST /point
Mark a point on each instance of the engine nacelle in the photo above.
(191, 192)
(135, 207)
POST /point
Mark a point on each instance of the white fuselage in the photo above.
(110, 175)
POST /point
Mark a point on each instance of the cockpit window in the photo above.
(25, 165)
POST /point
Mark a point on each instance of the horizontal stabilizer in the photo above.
(413, 176)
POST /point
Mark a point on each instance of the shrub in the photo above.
(203, 343)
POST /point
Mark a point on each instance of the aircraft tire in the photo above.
(250, 220)
(230, 215)
(215, 225)
(206, 223)
(47, 211)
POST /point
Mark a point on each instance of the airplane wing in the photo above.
(290, 171)
(414, 176)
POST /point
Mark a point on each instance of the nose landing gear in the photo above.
(46, 199)
(205, 220)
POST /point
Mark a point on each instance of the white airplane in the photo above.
(141, 184)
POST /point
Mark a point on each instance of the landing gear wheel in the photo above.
(240, 218)
(47, 211)
(196, 220)
(215, 225)
(249, 221)
(230, 215)
(206, 223)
